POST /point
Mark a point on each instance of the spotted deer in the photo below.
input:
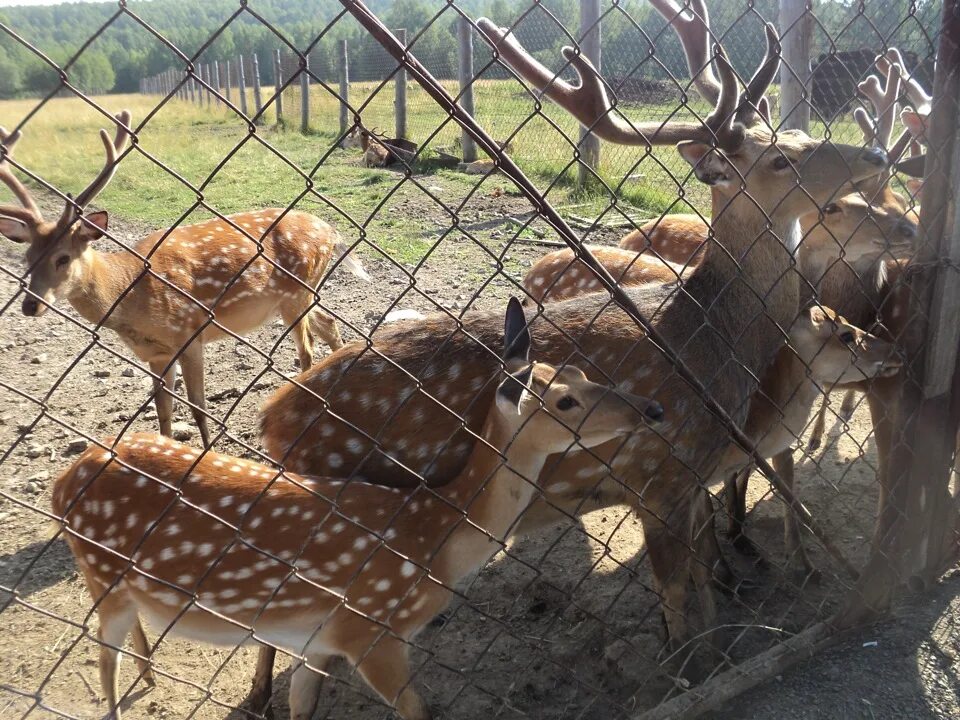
(744, 288)
(560, 275)
(823, 350)
(378, 150)
(861, 286)
(176, 291)
(226, 551)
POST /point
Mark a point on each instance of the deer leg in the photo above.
(117, 616)
(163, 369)
(669, 557)
(191, 361)
(882, 397)
(849, 405)
(297, 318)
(819, 426)
(736, 486)
(261, 693)
(386, 668)
(796, 554)
(142, 647)
(305, 686)
(325, 326)
(705, 556)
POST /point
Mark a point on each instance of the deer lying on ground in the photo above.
(437, 373)
(241, 270)
(355, 570)
(378, 150)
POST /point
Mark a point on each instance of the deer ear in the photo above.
(763, 109)
(14, 229)
(708, 165)
(514, 390)
(914, 166)
(516, 336)
(92, 226)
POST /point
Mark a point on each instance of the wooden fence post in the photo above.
(465, 37)
(242, 86)
(344, 87)
(226, 80)
(216, 81)
(257, 98)
(589, 144)
(278, 78)
(400, 101)
(190, 88)
(205, 75)
(305, 95)
(795, 29)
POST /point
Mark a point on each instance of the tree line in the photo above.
(125, 50)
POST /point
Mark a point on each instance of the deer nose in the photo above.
(30, 306)
(653, 411)
(875, 156)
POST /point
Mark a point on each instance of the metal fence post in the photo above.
(344, 87)
(241, 85)
(278, 79)
(589, 144)
(305, 95)
(465, 37)
(400, 101)
(795, 24)
(257, 98)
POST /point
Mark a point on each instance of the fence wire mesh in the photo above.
(400, 496)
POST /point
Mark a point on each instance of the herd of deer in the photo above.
(448, 449)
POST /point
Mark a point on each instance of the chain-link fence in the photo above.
(469, 532)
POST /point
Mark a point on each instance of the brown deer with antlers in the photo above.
(362, 568)
(725, 322)
(177, 290)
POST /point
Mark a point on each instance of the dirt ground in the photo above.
(561, 626)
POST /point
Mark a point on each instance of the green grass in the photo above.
(61, 145)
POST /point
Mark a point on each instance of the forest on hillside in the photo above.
(40, 46)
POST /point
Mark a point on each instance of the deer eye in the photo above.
(781, 162)
(567, 402)
(848, 337)
(831, 208)
(62, 261)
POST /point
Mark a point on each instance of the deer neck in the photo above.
(102, 280)
(746, 284)
(493, 490)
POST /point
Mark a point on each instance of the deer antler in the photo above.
(918, 97)
(691, 23)
(29, 213)
(588, 101)
(878, 130)
(103, 178)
